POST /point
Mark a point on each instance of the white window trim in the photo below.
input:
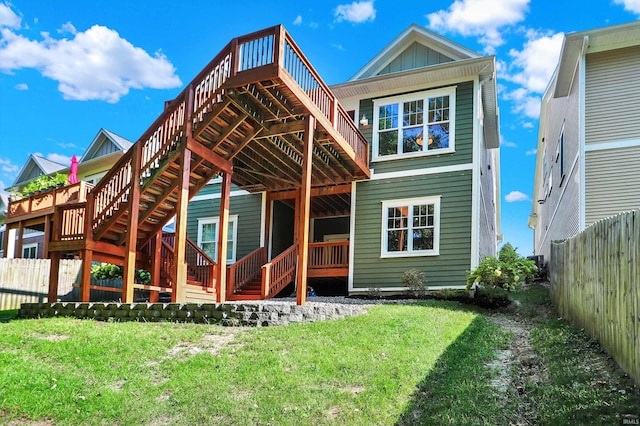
(447, 91)
(216, 220)
(435, 200)
(30, 246)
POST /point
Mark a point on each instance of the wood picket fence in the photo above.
(595, 285)
(27, 280)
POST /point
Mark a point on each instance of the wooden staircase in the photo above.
(243, 117)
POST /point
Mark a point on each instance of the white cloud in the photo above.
(528, 125)
(523, 102)
(531, 152)
(536, 62)
(516, 196)
(68, 28)
(22, 86)
(356, 12)
(298, 20)
(506, 143)
(482, 18)
(7, 166)
(630, 5)
(96, 64)
(8, 18)
(337, 46)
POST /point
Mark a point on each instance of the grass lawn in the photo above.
(422, 363)
(369, 369)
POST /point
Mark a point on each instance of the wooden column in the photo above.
(302, 214)
(156, 260)
(129, 273)
(85, 286)
(180, 241)
(53, 277)
(223, 232)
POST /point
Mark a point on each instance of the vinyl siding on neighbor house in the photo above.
(612, 95)
(463, 136)
(248, 208)
(559, 211)
(611, 182)
(446, 269)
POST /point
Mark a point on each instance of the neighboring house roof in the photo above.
(395, 67)
(591, 41)
(105, 142)
(37, 165)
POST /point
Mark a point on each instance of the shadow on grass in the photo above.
(459, 390)
(6, 316)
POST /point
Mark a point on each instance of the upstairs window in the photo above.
(416, 124)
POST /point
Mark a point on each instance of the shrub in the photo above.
(508, 271)
(415, 281)
(106, 271)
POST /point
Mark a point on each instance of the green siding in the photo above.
(214, 188)
(448, 268)
(415, 56)
(248, 208)
(463, 136)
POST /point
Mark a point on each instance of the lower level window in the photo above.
(208, 231)
(411, 227)
(30, 251)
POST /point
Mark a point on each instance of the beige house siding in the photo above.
(559, 209)
(612, 96)
(612, 181)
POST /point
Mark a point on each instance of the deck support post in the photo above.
(18, 247)
(47, 236)
(54, 270)
(223, 232)
(302, 214)
(129, 273)
(85, 286)
(180, 242)
(154, 295)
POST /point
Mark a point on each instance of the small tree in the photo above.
(415, 281)
(509, 271)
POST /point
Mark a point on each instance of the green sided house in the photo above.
(428, 108)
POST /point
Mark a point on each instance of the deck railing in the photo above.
(44, 202)
(69, 222)
(270, 47)
(245, 270)
(200, 267)
(279, 272)
(329, 255)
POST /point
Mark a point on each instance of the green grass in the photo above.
(8, 315)
(368, 369)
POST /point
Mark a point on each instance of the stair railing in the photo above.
(245, 270)
(279, 272)
(199, 265)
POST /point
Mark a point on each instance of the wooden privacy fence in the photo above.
(27, 280)
(595, 284)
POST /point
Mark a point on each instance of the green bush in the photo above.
(415, 282)
(508, 271)
(106, 271)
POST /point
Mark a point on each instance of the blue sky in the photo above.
(70, 67)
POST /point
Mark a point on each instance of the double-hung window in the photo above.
(415, 124)
(208, 231)
(411, 227)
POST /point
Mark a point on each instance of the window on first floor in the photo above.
(415, 124)
(30, 251)
(411, 227)
(208, 231)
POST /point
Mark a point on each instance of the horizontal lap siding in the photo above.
(612, 95)
(463, 136)
(450, 267)
(248, 208)
(611, 182)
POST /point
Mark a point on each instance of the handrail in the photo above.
(245, 269)
(279, 272)
(271, 46)
(199, 265)
(328, 255)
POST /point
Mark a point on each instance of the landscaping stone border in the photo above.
(252, 314)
